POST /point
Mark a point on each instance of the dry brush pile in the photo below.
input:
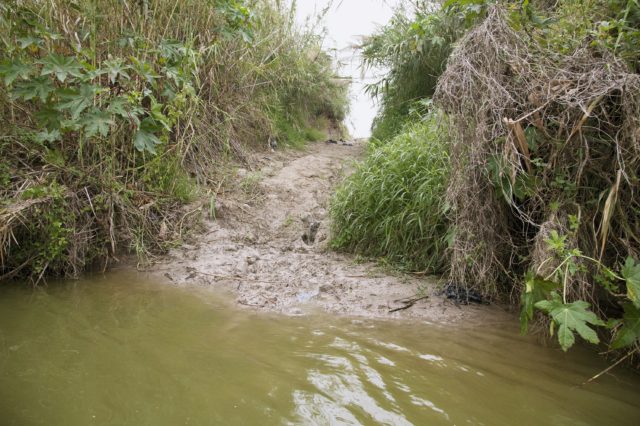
(545, 159)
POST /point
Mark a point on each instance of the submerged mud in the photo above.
(268, 247)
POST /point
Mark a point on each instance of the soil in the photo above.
(268, 248)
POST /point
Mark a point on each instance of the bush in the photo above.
(413, 47)
(114, 113)
(393, 206)
(543, 192)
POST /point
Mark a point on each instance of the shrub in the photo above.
(115, 111)
(545, 171)
(413, 47)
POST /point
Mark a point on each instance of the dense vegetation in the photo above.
(543, 108)
(413, 47)
(116, 113)
(392, 206)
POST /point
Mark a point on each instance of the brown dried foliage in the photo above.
(584, 110)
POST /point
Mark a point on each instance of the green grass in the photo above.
(393, 206)
(414, 47)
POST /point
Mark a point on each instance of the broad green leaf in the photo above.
(145, 139)
(157, 114)
(571, 317)
(61, 66)
(631, 274)
(173, 73)
(97, 122)
(70, 125)
(121, 107)
(48, 136)
(115, 68)
(39, 87)
(12, 70)
(630, 331)
(49, 118)
(536, 289)
(565, 336)
(144, 70)
(75, 101)
(29, 41)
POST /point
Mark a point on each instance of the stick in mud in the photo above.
(407, 303)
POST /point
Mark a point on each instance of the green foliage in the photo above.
(314, 135)
(413, 47)
(393, 206)
(570, 317)
(128, 105)
(631, 274)
(536, 289)
(629, 333)
(612, 25)
(542, 293)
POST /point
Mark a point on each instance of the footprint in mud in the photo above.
(309, 236)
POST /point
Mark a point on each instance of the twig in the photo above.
(192, 270)
(408, 303)
(606, 370)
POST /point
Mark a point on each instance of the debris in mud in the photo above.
(309, 237)
(325, 288)
(340, 142)
(407, 303)
(463, 295)
(273, 143)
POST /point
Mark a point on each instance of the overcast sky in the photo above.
(346, 22)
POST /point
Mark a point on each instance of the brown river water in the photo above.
(121, 349)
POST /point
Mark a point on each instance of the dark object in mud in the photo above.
(273, 143)
(309, 237)
(344, 143)
(461, 294)
(331, 141)
(407, 303)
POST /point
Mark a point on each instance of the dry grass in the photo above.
(539, 139)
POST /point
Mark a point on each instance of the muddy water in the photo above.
(121, 350)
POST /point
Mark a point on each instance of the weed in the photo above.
(250, 184)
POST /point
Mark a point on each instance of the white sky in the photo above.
(346, 22)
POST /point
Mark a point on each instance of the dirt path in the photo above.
(255, 249)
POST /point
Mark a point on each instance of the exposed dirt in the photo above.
(268, 248)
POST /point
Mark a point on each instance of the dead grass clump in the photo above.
(542, 142)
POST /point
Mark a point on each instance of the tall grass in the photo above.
(393, 206)
(413, 47)
(117, 112)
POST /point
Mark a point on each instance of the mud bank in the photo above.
(268, 248)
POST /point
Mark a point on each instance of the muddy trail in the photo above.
(268, 248)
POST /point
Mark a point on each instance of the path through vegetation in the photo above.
(256, 249)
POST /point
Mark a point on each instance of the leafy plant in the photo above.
(631, 274)
(413, 47)
(570, 317)
(132, 105)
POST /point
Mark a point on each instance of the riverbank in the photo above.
(255, 248)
